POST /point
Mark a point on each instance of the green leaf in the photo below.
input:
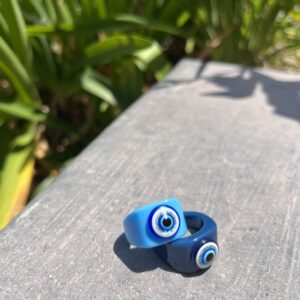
(27, 137)
(3, 27)
(5, 136)
(16, 174)
(91, 84)
(145, 56)
(15, 182)
(171, 10)
(152, 24)
(114, 47)
(44, 62)
(50, 9)
(17, 30)
(152, 60)
(89, 28)
(101, 8)
(62, 11)
(15, 71)
(35, 10)
(128, 82)
(22, 111)
(183, 18)
(120, 23)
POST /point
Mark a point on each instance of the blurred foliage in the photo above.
(69, 67)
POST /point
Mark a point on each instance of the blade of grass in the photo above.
(3, 27)
(15, 71)
(79, 29)
(26, 112)
(114, 47)
(92, 85)
(128, 82)
(120, 23)
(152, 24)
(21, 110)
(17, 30)
(16, 175)
(15, 184)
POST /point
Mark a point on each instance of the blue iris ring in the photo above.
(166, 222)
(208, 256)
(156, 219)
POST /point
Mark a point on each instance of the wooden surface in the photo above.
(226, 141)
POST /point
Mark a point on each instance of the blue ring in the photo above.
(181, 254)
(138, 228)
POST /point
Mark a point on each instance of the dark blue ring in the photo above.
(181, 253)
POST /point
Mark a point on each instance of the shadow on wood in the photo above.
(244, 84)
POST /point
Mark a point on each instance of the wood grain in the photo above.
(225, 140)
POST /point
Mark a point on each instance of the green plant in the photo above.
(69, 67)
(57, 93)
(247, 32)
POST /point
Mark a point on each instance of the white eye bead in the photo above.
(206, 255)
(165, 222)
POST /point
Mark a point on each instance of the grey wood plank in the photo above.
(225, 140)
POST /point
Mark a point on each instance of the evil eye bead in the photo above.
(155, 224)
(165, 222)
(206, 255)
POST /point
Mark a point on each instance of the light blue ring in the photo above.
(138, 230)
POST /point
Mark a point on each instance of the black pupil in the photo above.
(167, 222)
(209, 257)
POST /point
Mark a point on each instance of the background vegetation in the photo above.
(69, 67)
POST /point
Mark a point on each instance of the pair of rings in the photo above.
(165, 227)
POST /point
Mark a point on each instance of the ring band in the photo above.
(197, 251)
(155, 224)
